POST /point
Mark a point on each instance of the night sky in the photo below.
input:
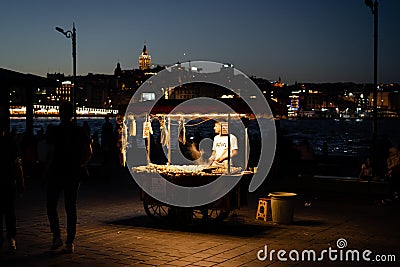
(297, 40)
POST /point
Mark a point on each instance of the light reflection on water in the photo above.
(41, 123)
(343, 137)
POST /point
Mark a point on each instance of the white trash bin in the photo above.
(282, 205)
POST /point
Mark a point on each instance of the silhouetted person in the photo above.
(366, 172)
(86, 127)
(255, 143)
(108, 144)
(325, 150)
(393, 173)
(96, 144)
(29, 153)
(307, 157)
(11, 178)
(41, 149)
(383, 146)
(69, 151)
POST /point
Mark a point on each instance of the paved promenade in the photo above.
(113, 230)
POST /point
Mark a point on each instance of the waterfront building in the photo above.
(63, 92)
(388, 100)
(293, 107)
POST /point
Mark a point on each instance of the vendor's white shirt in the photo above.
(220, 145)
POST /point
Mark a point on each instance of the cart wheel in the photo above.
(158, 211)
(218, 214)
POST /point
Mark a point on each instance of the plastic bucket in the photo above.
(282, 205)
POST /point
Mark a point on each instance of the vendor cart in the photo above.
(215, 211)
(189, 175)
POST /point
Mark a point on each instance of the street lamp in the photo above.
(374, 10)
(72, 35)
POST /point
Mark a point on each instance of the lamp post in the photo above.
(72, 35)
(374, 10)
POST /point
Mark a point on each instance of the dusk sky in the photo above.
(297, 40)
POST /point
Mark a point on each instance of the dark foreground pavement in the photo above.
(113, 230)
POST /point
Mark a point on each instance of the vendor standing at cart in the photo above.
(220, 155)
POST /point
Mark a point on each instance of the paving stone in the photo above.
(113, 230)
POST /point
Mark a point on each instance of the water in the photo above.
(40, 124)
(343, 137)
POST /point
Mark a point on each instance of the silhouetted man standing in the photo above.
(11, 178)
(69, 151)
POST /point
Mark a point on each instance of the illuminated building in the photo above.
(278, 83)
(144, 59)
(63, 93)
(386, 100)
(293, 107)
